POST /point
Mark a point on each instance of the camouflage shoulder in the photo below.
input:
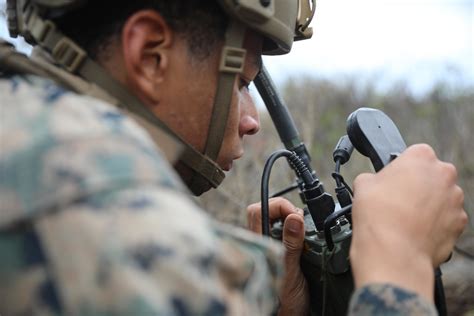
(58, 146)
(146, 250)
(387, 299)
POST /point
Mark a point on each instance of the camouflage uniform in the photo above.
(388, 300)
(94, 221)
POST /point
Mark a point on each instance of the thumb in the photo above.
(294, 295)
(293, 237)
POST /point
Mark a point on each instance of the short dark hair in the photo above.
(201, 22)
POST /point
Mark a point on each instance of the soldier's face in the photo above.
(191, 94)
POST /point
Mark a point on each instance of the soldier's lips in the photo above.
(228, 166)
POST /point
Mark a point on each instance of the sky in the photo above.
(419, 42)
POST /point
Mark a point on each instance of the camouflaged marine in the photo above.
(90, 226)
(94, 220)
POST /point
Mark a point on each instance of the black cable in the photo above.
(342, 154)
(336, 174)
(302, 171)
(286, 190)
(264, 188)
(439, 297)
(330, 221)
(348, 188)
(340, 182)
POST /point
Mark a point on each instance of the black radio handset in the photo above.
(375, 135)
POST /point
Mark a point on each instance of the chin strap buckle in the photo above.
(44, 33)
(232, 60)
(68, 54)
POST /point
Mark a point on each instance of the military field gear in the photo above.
(279, 21)
(87, 229)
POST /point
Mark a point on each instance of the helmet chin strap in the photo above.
(205, 172)
(231, 64)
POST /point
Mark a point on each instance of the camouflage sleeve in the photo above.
(138, 252)
(386, 299)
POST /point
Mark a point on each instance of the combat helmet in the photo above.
(280, 22)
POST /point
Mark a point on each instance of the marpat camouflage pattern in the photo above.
(94, 222)
(388, 300)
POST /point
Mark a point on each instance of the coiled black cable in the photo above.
(264, 187)
(301, 170)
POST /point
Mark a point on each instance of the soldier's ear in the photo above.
(146, 43)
